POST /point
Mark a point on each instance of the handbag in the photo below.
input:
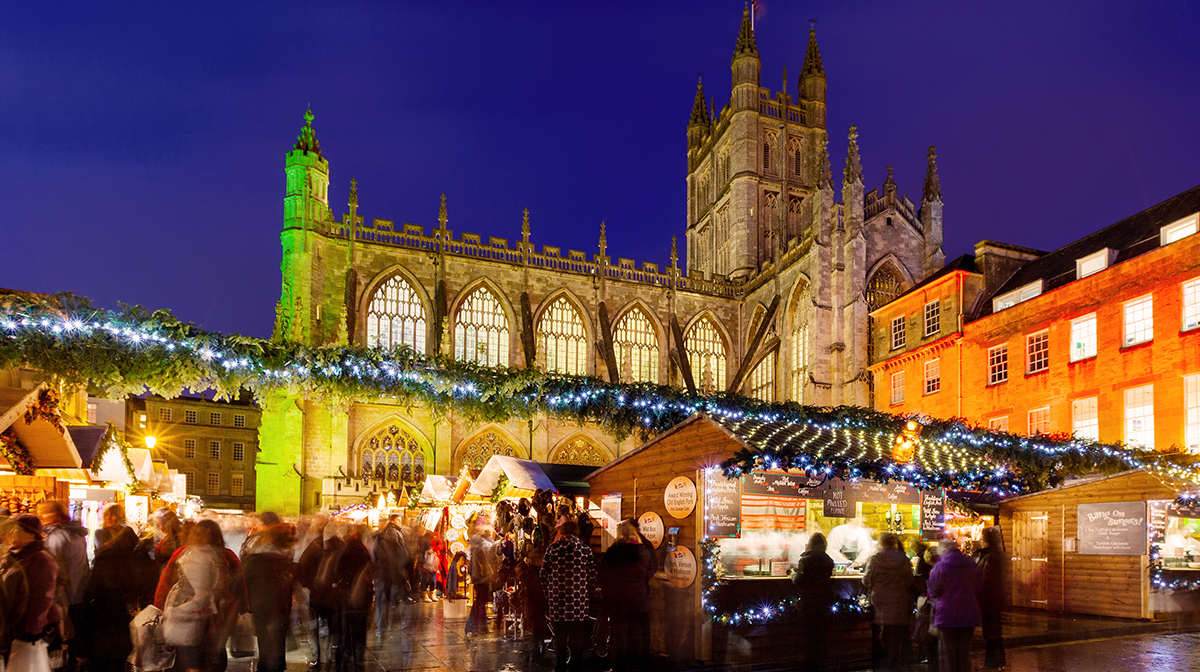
(29, 656)
(150, 653)
(242, 641)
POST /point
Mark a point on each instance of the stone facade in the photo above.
(773, 301)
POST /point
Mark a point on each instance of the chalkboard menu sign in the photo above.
(838, 503)
(933, 513)
(885, 493)
(1113, 528)
(723, 506)
(782, 485)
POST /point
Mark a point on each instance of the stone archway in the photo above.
(580, 449)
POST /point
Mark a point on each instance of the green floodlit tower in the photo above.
(301, 440)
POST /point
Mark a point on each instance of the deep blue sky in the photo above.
(142, 146)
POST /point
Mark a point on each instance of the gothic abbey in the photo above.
(773, 301)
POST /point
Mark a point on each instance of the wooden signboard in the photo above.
(723, 506)
(782, 485)
(1112, 528)
(933, 514)
(839, 503)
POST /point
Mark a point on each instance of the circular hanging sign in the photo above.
(681, 567)
(457, 547)
(651, 525)
(680, 497)
(457, 520)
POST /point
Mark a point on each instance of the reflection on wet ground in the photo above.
(1165, 652)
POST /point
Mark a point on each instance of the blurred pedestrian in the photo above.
(257, 531)
(113, 517)
(428, 567)
(926, 643)
(889, 581)
(114, 591)
(353, 591)
(483, 572)
(307, 569)
(814, 578)
(270, 580)
(954, 583)
(623, 576)
(390, 557)
(30, 576)
(993, 574)
(170, 536)
(66, 540)
(568, 576)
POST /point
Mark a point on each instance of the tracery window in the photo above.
(884, 286)
(706, 355)
(475, 453)
(562, 339)
(762, 379)
(766, 156)
(580, 451)
(800, 346)
(392, 457)
(481, 330)
(396, 316)
(636, 346)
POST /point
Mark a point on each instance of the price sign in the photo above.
(933, 513)
(723, 506)
(651, 525)
(681, 567)
(680, 497)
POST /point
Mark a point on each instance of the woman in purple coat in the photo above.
(954, 583)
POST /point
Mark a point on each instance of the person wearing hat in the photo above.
(30, 576)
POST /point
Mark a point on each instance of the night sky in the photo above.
(142, 146)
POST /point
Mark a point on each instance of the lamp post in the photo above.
(150, 441)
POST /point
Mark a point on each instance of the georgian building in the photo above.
(772, 302)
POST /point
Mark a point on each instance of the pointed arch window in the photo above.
(766, 156)
(475, 453)
(562, 339)
(392, 458)
(884, 286)
(800, 346)
(762, 379)
(706, 355)
(396, 316)
(481, 330)
(580, 450)
(636, 346)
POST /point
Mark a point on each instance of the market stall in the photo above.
(34, 445)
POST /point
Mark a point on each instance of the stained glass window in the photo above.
(475, 453)
(884, 286)
(801, 315)
(481, 330)
(396, 316)
(392, 457)
(580, 450)
(562, 339)
(706, 354)
(762, 379)
(636, 346)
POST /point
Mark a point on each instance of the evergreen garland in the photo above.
(17, 455)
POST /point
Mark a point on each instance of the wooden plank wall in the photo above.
(673, 611)
(1105, 585)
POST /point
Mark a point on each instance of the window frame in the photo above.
(997, 369)
(1092, 423)
(1167, 233)
(1128, 420)
(189, 449)
(933, 318)
(1081, 263)
(214, 418)
(899, 337)
(1194, 286)
(1043, 421)
(239, 447)
(1040, 357)
(209, 489)
(1017, 296)
(191, 417)
(1089, 353)
(933, 384)
(165, 414)
(897, 390)
(237, 485)
(239, 420)
(998, 423)
(1191, 413)
(214, 449)
(1126, 322)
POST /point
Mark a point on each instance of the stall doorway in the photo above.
(1030, 559)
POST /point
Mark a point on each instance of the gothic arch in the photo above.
(798, 339)
(726, 342)
(580, 448)
(490, 440)
(391, 453)
(889, 264)
(769, 360)
(368, 295)
(660, 334)
(514, 324)
(588, 332)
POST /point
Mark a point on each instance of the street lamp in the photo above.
(150, 441)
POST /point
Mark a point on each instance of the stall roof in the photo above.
(523, 474)
(87, 441)
(49, 447)
(437, 489)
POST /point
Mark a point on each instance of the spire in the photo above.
(353, 193)
(745, 43)
(699, 107)
(603, 241)
(812, 57)
(824, 176)
(442, 219)
(933, 190)
(853, 163)
(525, 226)
(307, 140)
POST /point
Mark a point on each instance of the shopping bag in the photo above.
(242, 641)
(28, 656)
(150, 652)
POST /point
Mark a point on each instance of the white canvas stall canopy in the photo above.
(49, 447)
(437, 489)
(522, 474)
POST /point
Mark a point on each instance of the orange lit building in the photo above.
(1100, 338)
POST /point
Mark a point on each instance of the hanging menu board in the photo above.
(782, 485)
(723, 506)
(884, 493)
(933, 514)
(838, 502)
(1113, 528)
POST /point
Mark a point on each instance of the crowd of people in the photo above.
(949, 593)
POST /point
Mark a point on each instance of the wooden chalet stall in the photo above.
(1085, 547)
(759, 525)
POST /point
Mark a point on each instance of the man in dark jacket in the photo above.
(568, 577)
(352, 592)
(391, 557)
(623, 576)
(993, 573)
(115, 589)
(813, 577)
(270, 575)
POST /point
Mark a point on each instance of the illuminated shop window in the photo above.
(762, 379)
(1085, 421)
(1037, 352)
(998, 364)
(1139, 416)
(1191, 412)
(1083, 337)
(481, 330)
(636, 346)
(1039, 421)
(1139, 321)
(898, 333)
(933, 376)
(898, 387)
(706, 355)
(933, 318)
(396, 316)
(562, 339)
(1191, 304)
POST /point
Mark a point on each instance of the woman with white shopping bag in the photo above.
(201, 592)
(30, 577)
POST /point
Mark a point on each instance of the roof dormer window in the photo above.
(1179, 230)
(1093, 263)
(1019, 295)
